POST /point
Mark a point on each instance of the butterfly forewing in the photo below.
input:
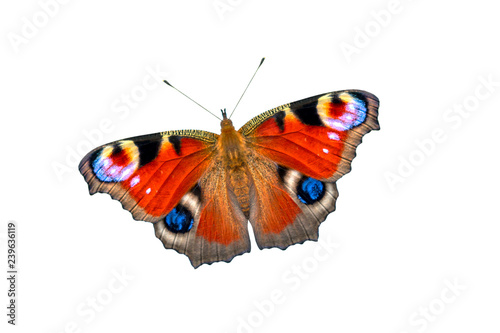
(149, 174)
(316, 136)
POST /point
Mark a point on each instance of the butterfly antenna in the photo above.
(192, 99)
(247, 86)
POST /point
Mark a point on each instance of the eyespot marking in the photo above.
(310, 190)
(116, 162)
(179, 220)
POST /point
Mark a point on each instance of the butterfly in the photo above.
(200, 189)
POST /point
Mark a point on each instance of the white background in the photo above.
(410, 221)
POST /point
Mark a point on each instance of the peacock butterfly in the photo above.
(200, 189)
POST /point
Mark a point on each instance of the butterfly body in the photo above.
(234, 155)
(278, 171)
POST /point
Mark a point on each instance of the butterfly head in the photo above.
(226, 124)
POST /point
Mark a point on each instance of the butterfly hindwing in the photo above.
(315, 199)
(210, 229)
(287, 207)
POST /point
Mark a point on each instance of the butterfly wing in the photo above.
(299, 151)
(159, 178)
(219, 231)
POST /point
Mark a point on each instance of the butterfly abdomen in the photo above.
(239, 184)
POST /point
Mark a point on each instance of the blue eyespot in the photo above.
(179, 220)
(310, 190)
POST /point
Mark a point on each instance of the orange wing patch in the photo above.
(221, 220)
(272, 208)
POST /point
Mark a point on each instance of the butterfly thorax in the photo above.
(232, 147)
(231, 143)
